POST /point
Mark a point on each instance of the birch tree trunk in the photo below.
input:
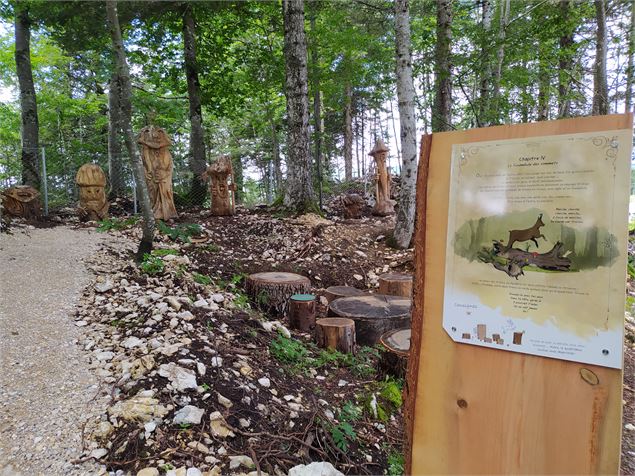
(500, 56)
(348, 132)
(115, 155)
(441, 111)
(628, 100)
(600, 86)
(299, 190)
(28, 103)
(404, 226)
(198, 189)
(565, 61)
(485, 66)
(125, 102)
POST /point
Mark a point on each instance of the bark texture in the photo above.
(125, 101)
(485, 64)
(404, 226)
(317, 111)
(628, 100)
(115, 156)
(28, 102)
(505, 6)
(198, 165)
(348, 133)
(441, 110)
(299, 190)
(565, 61)
(600, 86)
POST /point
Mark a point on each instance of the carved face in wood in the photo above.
(21, 201)
(91, 180)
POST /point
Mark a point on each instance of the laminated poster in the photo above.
(537, 245)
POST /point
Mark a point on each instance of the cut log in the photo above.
(22, 201)
(374, 314)
(553, 259)
(396, 284)
(302, 312)
(335, 292)
(271, 291)
(394, 359)
(335, 333)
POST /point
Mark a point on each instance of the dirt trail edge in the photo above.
(47, 392)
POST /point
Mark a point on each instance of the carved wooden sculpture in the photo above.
(222, 187)
(157, 163)
(91, 180)
(384, 205)
(21, 201)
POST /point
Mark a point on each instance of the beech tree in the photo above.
(600, 85)
(28, 101)
(299, 188)
(442, 108)
(125, 104)
(404, 226)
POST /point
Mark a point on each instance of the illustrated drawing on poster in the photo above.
(537, 245)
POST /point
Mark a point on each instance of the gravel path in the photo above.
(46, 389)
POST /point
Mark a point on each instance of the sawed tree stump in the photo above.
(271, 290)
(396, 344)
(396, 284)
(374, 314)
(335, 292)
(21, 201)
(302, 312)
(335, 333)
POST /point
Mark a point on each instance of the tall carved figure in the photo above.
(384, 205)
(157, 163)
(91, 181)
(222, 186)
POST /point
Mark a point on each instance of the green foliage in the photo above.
(165, 252)
(213, 248)
(182, 232)
(343, 432)
(241, 301)
(202, 279)
(116, 223)
(396, 464)
(289, 351)
(152, 264)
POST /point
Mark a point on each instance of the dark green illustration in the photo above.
(530, 241)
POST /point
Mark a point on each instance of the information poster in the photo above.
(537, 245)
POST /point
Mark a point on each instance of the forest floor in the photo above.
(201, 379)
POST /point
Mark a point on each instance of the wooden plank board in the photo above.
(481, 410)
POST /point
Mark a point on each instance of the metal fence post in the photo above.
(134, 196)
(45, 183)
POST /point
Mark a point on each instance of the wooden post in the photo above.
(396, 284)
(302, 312)
(335, 292)
(335, 333)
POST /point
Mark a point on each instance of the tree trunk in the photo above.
(125, 101)
(394, 128)
(565, 62)
(317, 111)
(277, 169)
(115, 155)
(500, 56)
(543, 84)
(299, 191)
(348, 132)
(28, 102)
(404, 226)
(237, 164)
(441, 111)
(628, 101)
(600, 86)
(198, 190)
(485, 67)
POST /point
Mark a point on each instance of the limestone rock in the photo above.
(218, 426)
(241, 460)
(188, 414)
(138, 408)
(321, 468)
(180, 378)
(148, 472)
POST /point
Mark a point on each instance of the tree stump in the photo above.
(335, 292)
(271, 291)
(302, 312)
(21, 201)
(396, 284)
(335, 333)
(396, 344)
(374, 314)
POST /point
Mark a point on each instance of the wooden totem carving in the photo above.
(91, 180)
(384, 205)
(157, 162)
(21, 201)
(221, 177)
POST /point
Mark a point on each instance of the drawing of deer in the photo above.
(532, 234)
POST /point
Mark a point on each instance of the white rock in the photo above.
(98, 453)
(131, 342)
(224, 401)
(358, 277)
(216, 361)
(218, 298)
(174, 303)
(195, 471)
(104, 356)
(150, 426)
(180, 378)
(174, 322)
(219, 427)
(198, 446)
(342, 383)
(201, 368)
(271, 326)
(81, 323)
(629, 427)
(148, 472)
(188, 414)
(185, 315)
(241, 460)
(201, 303)
(321, 468)
(103, 287)
(265, 382)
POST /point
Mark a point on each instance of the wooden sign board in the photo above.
(481, 408)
